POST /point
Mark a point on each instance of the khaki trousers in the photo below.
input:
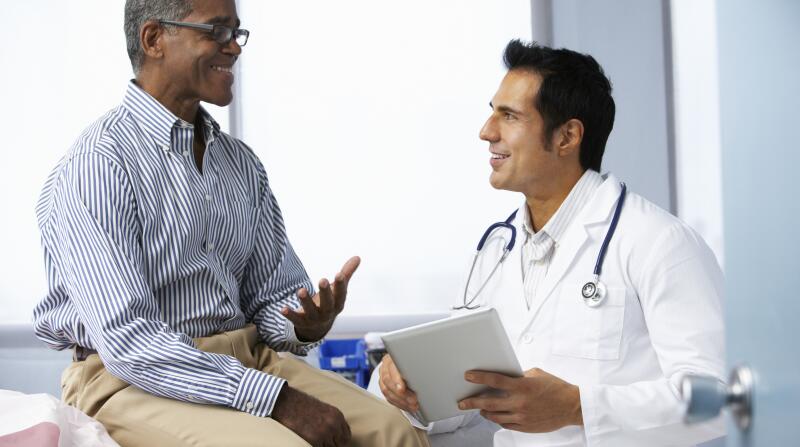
(136, 418)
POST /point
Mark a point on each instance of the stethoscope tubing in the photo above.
(506, 250)
(468, 304)
(598, 266)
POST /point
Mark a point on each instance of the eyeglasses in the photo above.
(222, 34)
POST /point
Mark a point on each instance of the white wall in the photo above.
(697, 128)
(661, 57)
(366, 115)
(628, 39)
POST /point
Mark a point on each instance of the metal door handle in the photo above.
(707, 396)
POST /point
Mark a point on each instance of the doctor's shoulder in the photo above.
(657, 238)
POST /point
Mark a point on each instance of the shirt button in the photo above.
(185, 153)
(208, 197)
(527, 338)
(165, 148)
(249, 406)
(209, 246)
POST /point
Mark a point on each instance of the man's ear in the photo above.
(151, 40)
(568, 137)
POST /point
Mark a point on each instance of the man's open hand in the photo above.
(318, 313)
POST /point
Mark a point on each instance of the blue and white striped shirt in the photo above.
(143, 252)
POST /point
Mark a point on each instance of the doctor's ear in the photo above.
(568, 137)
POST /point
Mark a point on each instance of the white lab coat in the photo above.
(662, 318)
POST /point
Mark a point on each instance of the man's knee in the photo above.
(389, 427)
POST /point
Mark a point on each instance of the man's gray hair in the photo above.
(138, 12)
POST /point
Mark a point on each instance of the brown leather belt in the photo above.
(82, 353)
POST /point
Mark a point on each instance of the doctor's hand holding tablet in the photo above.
(536, 403)
(465, 363)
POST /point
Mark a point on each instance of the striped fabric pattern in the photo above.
(539, 247)
(144, 251)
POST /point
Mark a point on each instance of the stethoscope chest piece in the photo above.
(593, 292)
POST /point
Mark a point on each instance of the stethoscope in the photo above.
(593, 292)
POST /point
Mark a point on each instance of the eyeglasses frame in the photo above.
(209, 28)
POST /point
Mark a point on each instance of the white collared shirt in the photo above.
(538, 247)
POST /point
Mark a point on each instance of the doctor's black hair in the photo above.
(573, 86)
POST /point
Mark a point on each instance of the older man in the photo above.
(170, 272)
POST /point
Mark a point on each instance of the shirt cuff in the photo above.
(592, 418)
(416, 422)
(257, 393)
(448, 425)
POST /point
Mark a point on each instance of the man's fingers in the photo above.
(348, 434)
(295, 317)
(487, 403)
(398, 383)
(501, 417)
(533, 373)
(344, 435)
(399, 386)
(393, 386)
(326, 303)
(400, 401)
(350, 267)
(339, 291)
(393, 379)
(393, 398)
(492, 380)
(342, 280)
(307, 302)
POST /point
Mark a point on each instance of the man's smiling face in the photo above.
(193, 60)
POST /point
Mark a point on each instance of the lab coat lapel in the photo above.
(598, 210)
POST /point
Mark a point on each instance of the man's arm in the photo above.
(679, 285)
(93, 235)
(277, 294)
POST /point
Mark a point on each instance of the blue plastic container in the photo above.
(347, 357)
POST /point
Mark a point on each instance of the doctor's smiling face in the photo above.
(551, 118)
(523, 157)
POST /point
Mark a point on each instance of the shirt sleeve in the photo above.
(272, 278)
(680, 291)
(94, 236)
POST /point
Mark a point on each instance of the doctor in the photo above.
(603, 354)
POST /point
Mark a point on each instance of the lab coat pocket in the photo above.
(588, 332)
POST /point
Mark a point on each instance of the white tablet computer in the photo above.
(433, 358)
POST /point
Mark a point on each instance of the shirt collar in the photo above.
(157, 120)
(577, 198)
